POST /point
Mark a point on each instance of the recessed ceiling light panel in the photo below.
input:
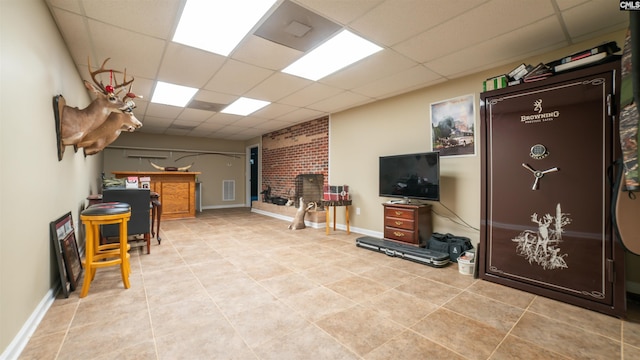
(172, 94)
(218, 26)
(245, 106)
(338, 52)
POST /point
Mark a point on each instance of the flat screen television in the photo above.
(410, 176)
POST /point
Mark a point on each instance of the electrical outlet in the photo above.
(357, 211)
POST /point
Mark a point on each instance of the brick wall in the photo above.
(299, 149)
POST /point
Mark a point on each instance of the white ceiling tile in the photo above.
(195, 115)
(163, 111)
(338, 102)
(491, 53)
(594, 18)
(340, 10)
(277, 86)
(301, 115)
(253, 49)
(70, 5)
(467, 32)
(224, 119)
(394, 21)
(214, 97)
(391, 85)
(310, 94)
(140, 54)
(274, 110)
(236, 78)
(153, 121)
(249, 121)
(209, 126)
(74, 32)
(229, 130)
(566, 4)
(187, 66)
(155, 18)
(273, 125)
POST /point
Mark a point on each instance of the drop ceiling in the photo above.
(425, 42)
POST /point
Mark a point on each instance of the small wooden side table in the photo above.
(334, 203)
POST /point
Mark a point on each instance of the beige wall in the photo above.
(216, 160)
(35, 188)
(402, 125)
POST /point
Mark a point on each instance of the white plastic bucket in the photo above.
(466, 263)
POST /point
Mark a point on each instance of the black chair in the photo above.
(140, 202)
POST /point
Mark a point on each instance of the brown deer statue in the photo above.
(72, 124)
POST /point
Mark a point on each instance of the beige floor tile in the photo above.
(308, 342)
(586, 319)
(410, 346)
(357, 288)
(502, 293)
(565, 339)
(318, 303)
(288, 284)
(44, 347)
(495, 314)
(275, 320)
(360, 329)
(401, 307)
(431, 291)
(231, 284)
(516, 348)
(465, 336)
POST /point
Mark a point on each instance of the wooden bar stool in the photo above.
(97, 255)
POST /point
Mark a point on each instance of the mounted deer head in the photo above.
(72, 124)
(96, 140)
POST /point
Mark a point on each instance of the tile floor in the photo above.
(237, 285)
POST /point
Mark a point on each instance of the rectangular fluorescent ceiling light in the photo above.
(218, 26)
(336, 53)
(171, 94)
(245, 106)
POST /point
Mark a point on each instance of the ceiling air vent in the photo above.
(207, 106)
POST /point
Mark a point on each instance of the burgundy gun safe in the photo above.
(547, 148)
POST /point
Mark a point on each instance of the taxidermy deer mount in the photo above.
(73, 125)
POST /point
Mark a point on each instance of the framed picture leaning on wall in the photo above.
(69, 264)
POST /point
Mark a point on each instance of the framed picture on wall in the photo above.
(452, 126)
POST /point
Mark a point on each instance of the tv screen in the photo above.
(414, 176)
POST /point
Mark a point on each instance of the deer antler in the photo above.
(109, 89)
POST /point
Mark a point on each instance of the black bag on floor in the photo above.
(450, 244)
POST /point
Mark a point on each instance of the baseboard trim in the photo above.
(21, 339)
(314, 225)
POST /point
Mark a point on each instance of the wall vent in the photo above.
(228, 190)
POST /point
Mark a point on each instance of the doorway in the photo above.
(252, 174)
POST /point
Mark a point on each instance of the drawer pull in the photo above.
(399, 222)
(398, 213)
(398, 234)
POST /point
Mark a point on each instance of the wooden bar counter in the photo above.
(177, 190)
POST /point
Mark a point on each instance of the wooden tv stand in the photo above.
(407, 223)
